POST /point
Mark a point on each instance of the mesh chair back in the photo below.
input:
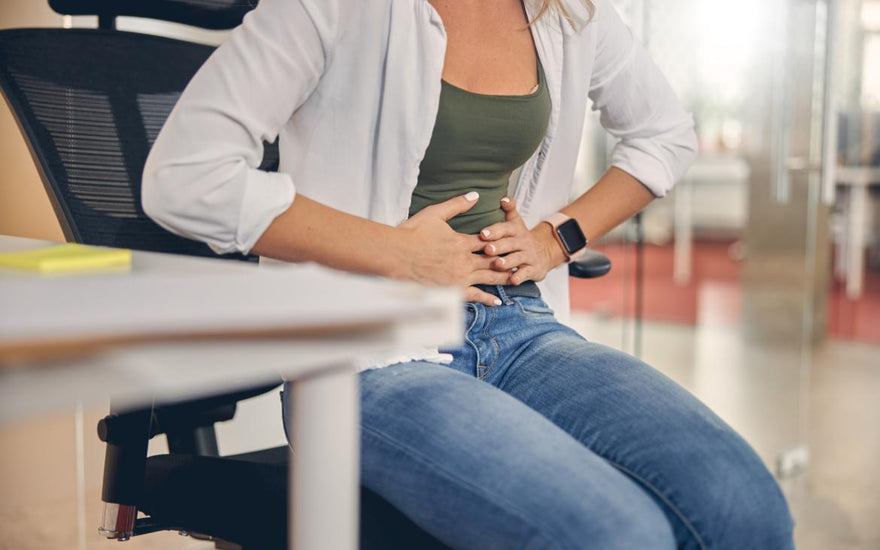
(90, 104)
(208, 14)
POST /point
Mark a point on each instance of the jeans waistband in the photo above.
(527, 289)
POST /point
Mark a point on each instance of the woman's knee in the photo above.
(743, 506)
(594, 506)
(757, 514)
(622, 524)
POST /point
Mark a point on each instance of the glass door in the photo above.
(727, 291)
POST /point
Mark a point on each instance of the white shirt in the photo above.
(351, 87)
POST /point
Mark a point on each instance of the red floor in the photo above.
(713, 295)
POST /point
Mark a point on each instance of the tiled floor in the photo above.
(778, 396)
(776, 402)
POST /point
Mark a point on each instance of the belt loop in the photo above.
(503, 295)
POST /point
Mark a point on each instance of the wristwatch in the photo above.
(568, 233)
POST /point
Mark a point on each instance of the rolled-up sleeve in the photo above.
(656, 136)
(201, 179)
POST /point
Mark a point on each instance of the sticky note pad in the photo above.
(67, 258)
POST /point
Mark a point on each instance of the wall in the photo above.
(25, 210)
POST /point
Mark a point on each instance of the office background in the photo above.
(741, 289)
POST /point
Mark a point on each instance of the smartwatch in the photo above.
(568, 234)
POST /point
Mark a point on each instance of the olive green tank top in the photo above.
(478, 141)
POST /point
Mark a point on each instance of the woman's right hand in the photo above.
(438, 255)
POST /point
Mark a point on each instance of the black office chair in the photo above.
(90, 103)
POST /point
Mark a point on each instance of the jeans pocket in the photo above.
(533, 307)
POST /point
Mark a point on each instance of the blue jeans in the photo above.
(535, 438)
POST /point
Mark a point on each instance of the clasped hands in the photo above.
(440, 255)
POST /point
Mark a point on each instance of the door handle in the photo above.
(780, 182)
(821, 162)
(829, 125)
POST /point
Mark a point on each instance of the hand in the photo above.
(436, 254)
(530, 253)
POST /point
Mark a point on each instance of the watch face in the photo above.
(572, 237)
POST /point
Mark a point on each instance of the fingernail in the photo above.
(472, 196)
(500, 260)
(497, 302)
(485, 232)
(491, 248)
(505, 199)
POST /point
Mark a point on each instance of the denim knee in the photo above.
(634, 524)
(762, 518)
(751, 511)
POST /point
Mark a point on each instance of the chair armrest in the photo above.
(591, 265)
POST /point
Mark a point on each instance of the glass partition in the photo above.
(731, 296)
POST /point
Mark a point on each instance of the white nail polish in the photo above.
(505, 199)
(497, 302)
(472, 196)
(485, 232)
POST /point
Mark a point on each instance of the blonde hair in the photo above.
(559, 5)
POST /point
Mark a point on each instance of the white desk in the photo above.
(727, 180)
(177, 327)
(858, 179)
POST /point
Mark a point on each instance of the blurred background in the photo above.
(755, 283)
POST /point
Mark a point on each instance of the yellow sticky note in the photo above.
(67, 258)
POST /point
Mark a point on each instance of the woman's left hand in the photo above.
(530, 254)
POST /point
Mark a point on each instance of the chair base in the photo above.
(118, 521)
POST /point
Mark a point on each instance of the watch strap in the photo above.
(555, 220)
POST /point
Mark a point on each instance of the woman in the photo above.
(400, 122)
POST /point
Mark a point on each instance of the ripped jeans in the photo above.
(535, 438)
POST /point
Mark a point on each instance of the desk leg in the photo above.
(325, 469)
(682, 244)
(855, 240)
